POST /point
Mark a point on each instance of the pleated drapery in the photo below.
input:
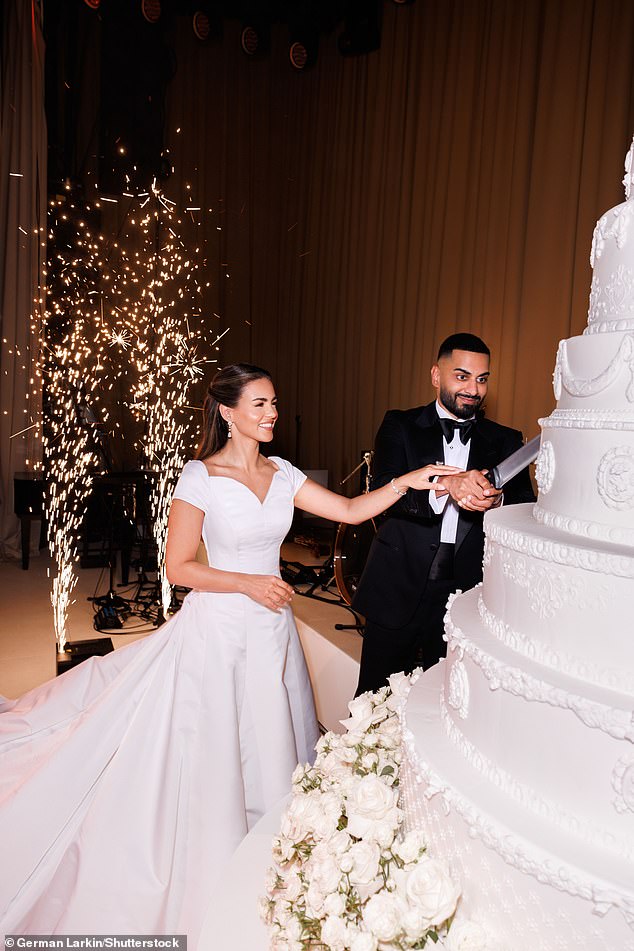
(22, 250)
(374, 205)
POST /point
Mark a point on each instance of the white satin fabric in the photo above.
(127, 783)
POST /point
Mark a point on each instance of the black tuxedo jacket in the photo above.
(407, 540)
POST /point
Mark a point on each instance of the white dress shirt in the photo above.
(456, 453)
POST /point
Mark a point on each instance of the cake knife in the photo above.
(509, 467)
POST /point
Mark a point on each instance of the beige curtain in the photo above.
(22, 249)
(374, 205)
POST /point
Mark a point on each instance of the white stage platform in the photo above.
(332, 657)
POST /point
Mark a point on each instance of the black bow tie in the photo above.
(449, 426)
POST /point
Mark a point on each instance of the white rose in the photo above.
(385, 831)
(314, 814)
(467, 936)
(409, 848)
(339, 842)
(346, 862)
(365, 857)
(333, 765)
(399, 685)
(369, 760)
(355, 738)
(370, 740)
(301, 816)
(361, 708)
(381, 712)
(366, 892)
(293, 886)
(430, 889)
(314, 900)
(389, 733)
(293, 929)
(334, 933)
(369, 802)
(335, 904)
(324, 871)
(413, 923)
(382, 916)
(363, 941)
(330, 810)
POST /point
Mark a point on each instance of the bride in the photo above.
(127, 782)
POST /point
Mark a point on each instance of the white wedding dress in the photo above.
(126, 783)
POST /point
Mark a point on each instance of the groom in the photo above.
(431, 544)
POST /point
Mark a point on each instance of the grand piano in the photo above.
(28, 504)
(117, 516)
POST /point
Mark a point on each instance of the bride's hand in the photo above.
(422, 478)
(269, 591)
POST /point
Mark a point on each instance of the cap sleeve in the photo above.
(295, 476)
(192, 485)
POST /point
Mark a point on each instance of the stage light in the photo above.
(255, 38)
(151, 10)
(207, 20)
(201, 25)
(302, 55)
(304, 29)
(93, 4)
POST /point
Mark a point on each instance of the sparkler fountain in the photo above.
(130, 310)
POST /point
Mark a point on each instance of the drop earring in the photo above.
(229, 425)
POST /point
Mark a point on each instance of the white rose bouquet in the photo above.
(345, 876)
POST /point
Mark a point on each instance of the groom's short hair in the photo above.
(463, 341)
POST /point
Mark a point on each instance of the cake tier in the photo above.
(564, 602)
(585, 473)
(561, 748)
(595, 375)
(529, 880)
(612, 293)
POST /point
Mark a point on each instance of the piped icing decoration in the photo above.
(563, 376)
(615, 223)
(629, 171)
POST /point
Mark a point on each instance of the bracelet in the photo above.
(396, 488)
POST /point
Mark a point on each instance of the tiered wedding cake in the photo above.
(519, 748)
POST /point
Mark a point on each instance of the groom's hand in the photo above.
(472, 490)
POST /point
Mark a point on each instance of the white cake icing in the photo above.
(519, 748)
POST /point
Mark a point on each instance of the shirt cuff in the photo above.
(437, 504)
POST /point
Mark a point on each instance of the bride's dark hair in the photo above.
(224, 390)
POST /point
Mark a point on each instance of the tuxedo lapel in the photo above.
(426, 435)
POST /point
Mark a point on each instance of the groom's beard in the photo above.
(453, 404)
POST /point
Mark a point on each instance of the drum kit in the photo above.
(352, 542)
(343, 568)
